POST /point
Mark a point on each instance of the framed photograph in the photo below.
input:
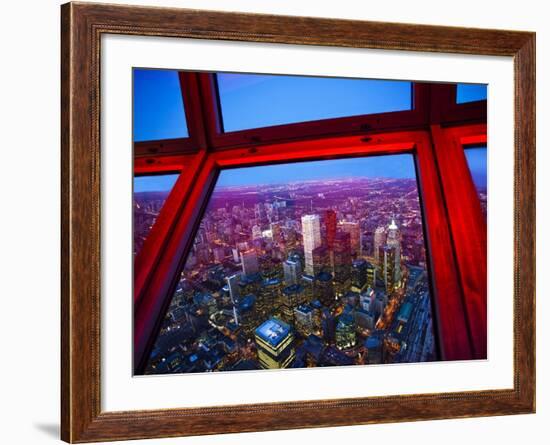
(284, 222)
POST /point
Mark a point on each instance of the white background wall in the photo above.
(29, 218)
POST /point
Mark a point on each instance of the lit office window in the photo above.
(254, 101)
(318, 263)
(470, 93)
(150, 193)
(477, 161)
(158, 105)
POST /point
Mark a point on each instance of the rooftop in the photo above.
(273, 331)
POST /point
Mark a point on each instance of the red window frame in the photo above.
(464, 212)
(458, 291)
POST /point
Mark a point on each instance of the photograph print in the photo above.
(336, 258)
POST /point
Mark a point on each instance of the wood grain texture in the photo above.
(82, 26)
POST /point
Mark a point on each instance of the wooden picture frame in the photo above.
(82, 26)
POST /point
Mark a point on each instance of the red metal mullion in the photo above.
(468, 226)
(152, 250)
(150, 310)
(450, 310)
(163, 147)
(191, 92)
(161, 164)
(212, 116)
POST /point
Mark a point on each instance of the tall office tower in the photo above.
(270, 296)
(342, 263)
(292, 297)
(233, 285)
(358, 275)
(394, 240)
(379, 241)
(345, 331)
(308, 282)
(270, 266)
(275, 342)
(366, 300)
(371, 275)
(330, 224)
(354, 231)
(321, 259)
(249, 262)
(324, 289)
(387, 264)
(364, 319)
(311, 233)
(292, 270)
(328, 326)
(303, 319)
(256, 232)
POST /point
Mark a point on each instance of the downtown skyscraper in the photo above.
(311, 233)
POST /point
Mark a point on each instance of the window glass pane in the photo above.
(253, 101)
(158, 106)
(477, 161)
(150, 192)
(470, 92)
(303, 264)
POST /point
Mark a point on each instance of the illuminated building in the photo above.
(317, 308)
(321, 259)
(311, 233)
(324, 289)
(345, 331)
(275, 343)
(292, 297)
(359, 275)
(292, 271)
(387, 263)
(366, 300)
(328, 325)
(379, 303)
(308, 283)
(371, 275)
(249, 262)
(303, 316)
(246, 313)
(379, 241)
(394, 240)
(330, 224)
(270, 267)
(365, 319)
(342, 263)
(270, 296)
(354, 231)
(233, 285)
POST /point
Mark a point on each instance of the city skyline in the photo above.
(300, 273)
(396, 167)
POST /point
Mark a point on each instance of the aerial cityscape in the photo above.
(300, 265)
